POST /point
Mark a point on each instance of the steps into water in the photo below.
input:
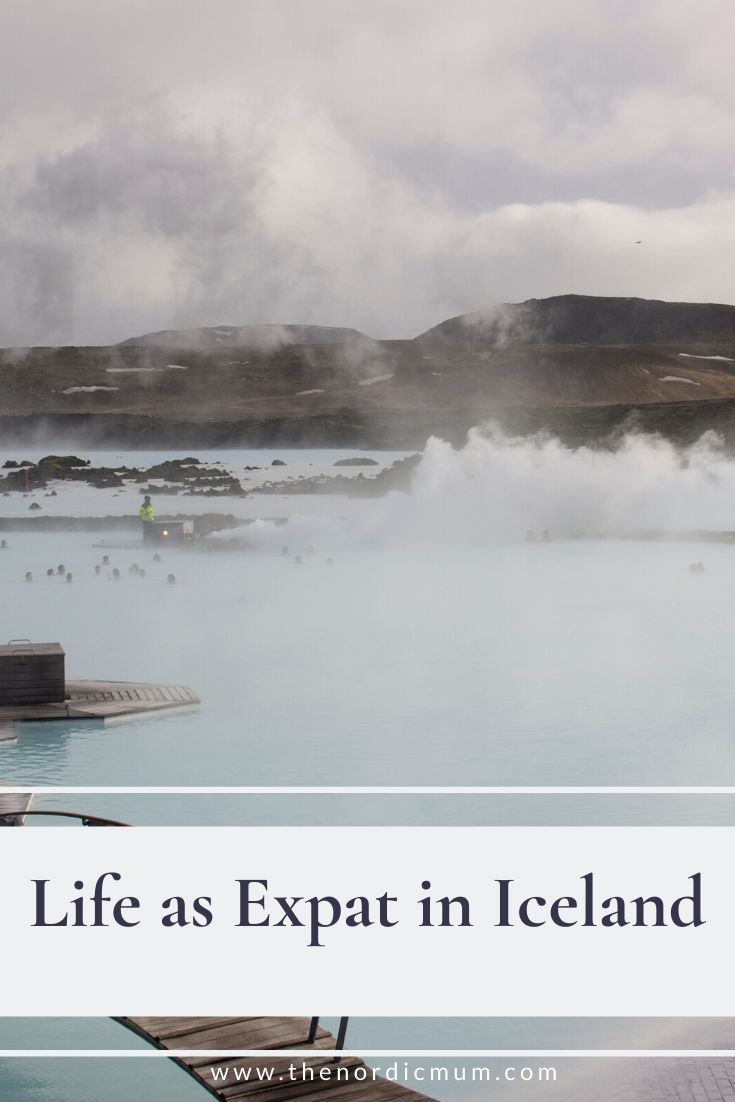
(354, 1083)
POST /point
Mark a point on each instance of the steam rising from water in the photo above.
(496, 487)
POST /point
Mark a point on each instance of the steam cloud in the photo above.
(229, 170)
(497, 487)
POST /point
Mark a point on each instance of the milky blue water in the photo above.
(582, 662)
(575, 662)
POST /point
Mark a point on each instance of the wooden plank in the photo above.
(297, 1087)
(98, 700)
(311, 1057)
(166, 1028)
(259, 1033)
(243, 1034)
(361, 1090)
(316, 1055)
(13, 806)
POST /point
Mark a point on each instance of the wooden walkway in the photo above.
(13, 806)
(248, 1034)
(102, 700)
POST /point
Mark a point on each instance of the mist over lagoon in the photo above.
(441, 647)
(576, 660)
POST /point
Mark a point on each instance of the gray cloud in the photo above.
(371, 164)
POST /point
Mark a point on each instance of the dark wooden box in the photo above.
(32, 673)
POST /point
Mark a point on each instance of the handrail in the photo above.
(86, 819)
(341, 1035)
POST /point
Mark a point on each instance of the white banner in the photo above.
(327, 920)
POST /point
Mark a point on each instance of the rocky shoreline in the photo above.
(189, 477)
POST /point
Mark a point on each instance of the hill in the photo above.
(577, 365)
(586, 319)
(238, 336)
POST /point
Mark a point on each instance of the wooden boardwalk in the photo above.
(101, 700)
(13, 806)
(248, 1034)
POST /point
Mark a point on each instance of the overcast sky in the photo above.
(381, 164)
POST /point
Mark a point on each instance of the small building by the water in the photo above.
(33, 687)
(168, 531)
(31, 673)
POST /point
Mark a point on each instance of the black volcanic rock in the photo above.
(358, 461)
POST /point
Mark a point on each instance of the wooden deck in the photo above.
(13, 806)
(101, 700)
(248, 1034)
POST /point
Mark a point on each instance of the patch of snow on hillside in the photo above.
(376, 379)
(692, 356)
(87, 389)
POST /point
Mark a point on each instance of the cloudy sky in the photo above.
(382, 164)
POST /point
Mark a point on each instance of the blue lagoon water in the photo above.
(580, 662)
(448, 662)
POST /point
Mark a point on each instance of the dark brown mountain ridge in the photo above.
(578, 365)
